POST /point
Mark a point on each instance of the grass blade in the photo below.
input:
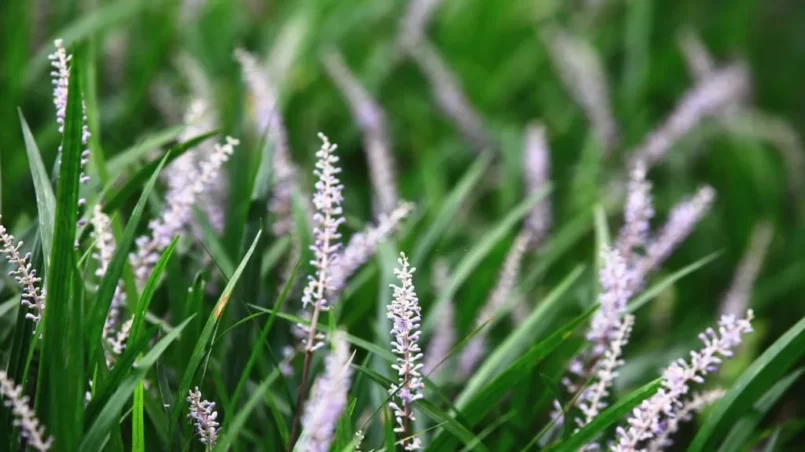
(236, 425)
(110, 414)
(657, 288)
(750, 386)
(45, 199)
(206, 337)
(137, 421)
(63, 322)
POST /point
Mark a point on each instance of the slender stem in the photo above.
(300, 400)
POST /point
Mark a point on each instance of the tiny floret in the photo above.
(33, 296)
(31, 431)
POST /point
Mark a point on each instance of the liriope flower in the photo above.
(60, 62)
(593, 399)
(328, 217)
(404, 312)
(177, 211)
(444, 337)
(709, 98)
(581, 71)
(269, 122)
(650, 418)
(105, 246)
(415, 21)
(637, 213)
(504, 288)
(449, 97)
(681, 221)
(24, 417)
(358, 440)
(372, 121)
(697, 58)
(699, 402)
(33, 296)
(616, 281)
(737, 298)
(328, 399)
(362, 246)
(536, 172)
(204, 418)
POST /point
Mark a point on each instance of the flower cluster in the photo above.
(699, 402)
(269, 122)
(709, 98)
(372, 120)
(536, 169)
(328, 399)
(650, 419)
(33, 296)
(178, 211)
(24, 417)
(328, 217)
(449, 97)
(637, 213)
(105, 246)
(204, 417)
(497, 299)
(404, 312)
(362, 246)
(60, 62)
(581, 71)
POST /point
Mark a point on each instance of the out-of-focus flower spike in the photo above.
(328, 217)
(105, 245)
(177, 211)
(697, 404)
(32, 432)
(581, 71)
(680, 224)
(616, 279)
(415, 22)
(449, 97)
(700, 64)
(504, 288)
(593, 399)
(204, 417)
(648, 420)
(637, 213)
(362, 246)
(536, 164)
(444, 337)
(405, 314)
(33, 296)
(711, 97)
(736, 300)
(328, 399)
(372, 120)
(269, 121)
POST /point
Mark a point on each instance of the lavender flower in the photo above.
(616, 280)
(24, 417)
(327, 201)
(696, 56)
(709, 98)
(444, 337)
(177, 211)
(581, 71)
(504, 288)
(536, 168)
(637, 214)
(372, 120)
(204, 417)
(269, 121)
(118, 342)
(648, 419)
(680, 223)
(328, 398)
(359, 436)
(415, 22)
(362, 246)
(737, 298)
(592, 400)
(697, 404)
(404, 312)
(449, 97)
(33, 297)
(60, 62)
(105, 245)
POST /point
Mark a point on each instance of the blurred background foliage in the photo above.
(494, 49)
